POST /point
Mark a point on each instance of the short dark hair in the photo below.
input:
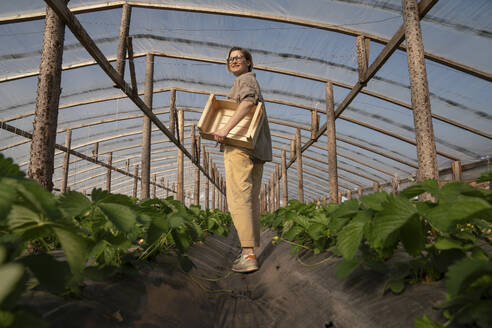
(246, 54)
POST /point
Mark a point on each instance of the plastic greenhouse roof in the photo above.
(297, 46)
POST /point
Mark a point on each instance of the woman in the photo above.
(244, 167)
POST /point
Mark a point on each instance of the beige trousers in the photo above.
(243, 182)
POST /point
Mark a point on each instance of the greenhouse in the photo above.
(118, 205)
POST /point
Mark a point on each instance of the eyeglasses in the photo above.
(235, 58)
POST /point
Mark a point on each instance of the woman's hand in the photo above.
(220, 134)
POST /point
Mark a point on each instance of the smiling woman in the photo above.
(243, 167)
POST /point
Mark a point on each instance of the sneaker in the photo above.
(245, 263)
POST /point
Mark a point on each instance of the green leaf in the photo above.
(444, 243)
(38, 199)
(9, 169)
(347, 209)
(175, 220)
(6, 319)
(117, 199)
(349, 238)
(7, 197)
(412, 236)
(76, 248)
(375, 200)
(73, 204)
(396, 285)
(123, 217)
(454, 190)
(396, 212)
(316, 230)
(445, 216)
(12, 277)
(484, 177)
(430, 186)
(479, 254)
(3, 254)
(51, 274)
(426, 322)
(346, 267)
(293, 232)
(465, 272)
(98, 194)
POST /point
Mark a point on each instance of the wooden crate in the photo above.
(216, 114)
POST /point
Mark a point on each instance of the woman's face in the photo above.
(237, 63)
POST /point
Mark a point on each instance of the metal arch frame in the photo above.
(301, 22)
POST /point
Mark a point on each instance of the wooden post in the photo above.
(180, 194)
(147, 127)
(217, 182)
(42, 155)
(95, 151)
(292, 149)
(395, 184)
(456, 171)
(285, 191)
(267, 198)
(162, 183)
(362, 49)
(212, 175)
(332, 143)
(128, 166)
(207, 181)
(154, 191)
(66, 161)
(375, 186)
(314, 124)
(196, 195)
(324, 200)
(277, 184)
(135, 182)
(349, 194)
(300, 186)
(167, 188)
(108, 172)
(172, 112)
(124, 29)
(133, 76)
(272, 195)
(359, 192)
(339, 195)
(424, 132)
(174, 190)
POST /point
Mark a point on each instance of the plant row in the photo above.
(55, 242)
(448, 237)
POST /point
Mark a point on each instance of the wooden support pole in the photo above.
(108, 172)
(154, 191)
(375, 186)
(300, 186)
(456, 171)
(359, 192)
(147, 127)
(172, 112)
(180, 178)
(207, 182)
(362, 49)
(272, 195)
(42, 154)
(314, 123)
(66, 161)
(339, 199)
(162, 184)
(135, 182)
(324, 200)
(285, 191)
(128, 166)
(133, 76)
(267, 198)
(95, 151)
(277, 184)
(196, 196)
(217, 190)
(424, 132)
(212, 175)
(193, 144)
(124, 29)
(349, 194)
(167, 188)
(332, 143)
(395, 184)
(174, 190)
(292, 149)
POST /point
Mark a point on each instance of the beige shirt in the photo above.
(246, 87)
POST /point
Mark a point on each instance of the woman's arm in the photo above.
(241, 111)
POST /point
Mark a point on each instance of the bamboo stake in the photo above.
(300, 187)
(285, 192)
(108, 173)
(135, 182)
(332, 143)
(146, 128)
(180, 178)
